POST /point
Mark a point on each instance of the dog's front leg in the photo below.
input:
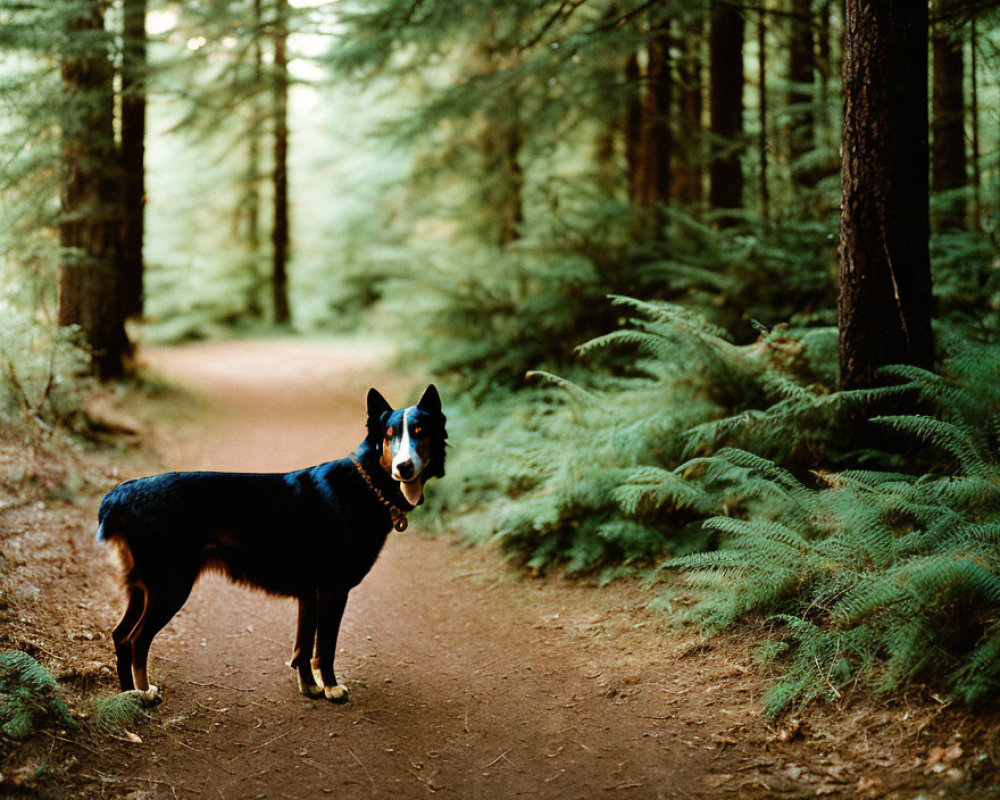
(305, 637)
(331, 610)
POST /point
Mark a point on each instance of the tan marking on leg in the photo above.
(139, 678)
(309, 690)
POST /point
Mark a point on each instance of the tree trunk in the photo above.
(977, 178)
(654, 172)
(765, 195)
(689, 158)
(948, 162)
(91, 291)
(133, 148)
(512, 202)
(826, 128)
(801, 97)
(632, 125)
(726, 106)
(280, 237)
(257, 283)
(885, 295)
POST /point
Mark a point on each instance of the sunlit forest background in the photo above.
(610, 229)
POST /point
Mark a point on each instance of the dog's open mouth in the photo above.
(412, 489)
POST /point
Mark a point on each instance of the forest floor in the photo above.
(467, 680)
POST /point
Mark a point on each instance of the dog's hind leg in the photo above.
(121, 635)
(332, 603)
(161, 605)
(305, 637)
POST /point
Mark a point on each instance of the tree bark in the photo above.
(280, 235)
(632, 125)
(726, 107)
(689, 161)
(948, 161)
(977, 178)
(133, 149)
(654, 171)
(765, 194)
(885, 296)
(512, 202)
(801, 97)
(256, 288)
(91, 291)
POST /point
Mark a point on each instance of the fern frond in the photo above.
(945, 436)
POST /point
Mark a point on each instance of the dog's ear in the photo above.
(430, 400)
(431, 403)
(378, 407)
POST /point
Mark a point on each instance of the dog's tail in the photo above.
(110, 517)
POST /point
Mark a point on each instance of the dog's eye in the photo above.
(388, 433)
(416, 430)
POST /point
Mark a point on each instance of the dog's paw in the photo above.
(309, 689)
(148, 698)
(336, 694)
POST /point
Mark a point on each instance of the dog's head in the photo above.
(410, 441)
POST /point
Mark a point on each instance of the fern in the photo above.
(29, 696)
(114, 713)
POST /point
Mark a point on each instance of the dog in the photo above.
(312, 534)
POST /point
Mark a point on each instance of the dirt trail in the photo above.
(464, 682)
(460, 684)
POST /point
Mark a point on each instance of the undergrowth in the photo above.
(883, 576)
(585, 472)
(871, 548)
(29, 697)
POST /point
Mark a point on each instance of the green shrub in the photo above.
(890, 576)
(113, 713)
(29, 696)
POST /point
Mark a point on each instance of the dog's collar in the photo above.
(397, 514)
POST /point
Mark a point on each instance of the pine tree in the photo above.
(92, 289)
(885, 300)
(726, 92)
(132, 148)
(280, 232)
(948, 160)
(689, 165)
(801, 77)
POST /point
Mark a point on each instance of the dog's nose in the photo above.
(405, 470)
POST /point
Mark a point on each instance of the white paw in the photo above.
(309, 690)
(336, 694)
(149, 697)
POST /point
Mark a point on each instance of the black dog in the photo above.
(311, 534)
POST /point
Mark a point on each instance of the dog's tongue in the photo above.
(412, 491)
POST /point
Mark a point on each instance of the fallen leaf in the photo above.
(715, 781)
(870, 787)
(938, 758)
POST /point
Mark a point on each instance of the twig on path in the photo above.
(428, 782)
(193, 749)
(209, 708)
(270, 741)
(503, 756)
(211, 685)
(556, 777)
(102, 778)
(623, 785)
(72, 741)
(360, 764)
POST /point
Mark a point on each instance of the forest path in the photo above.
(465, 681)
